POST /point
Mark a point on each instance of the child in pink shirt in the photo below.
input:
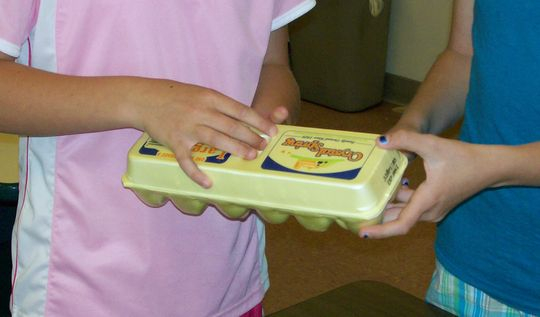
(100, 73)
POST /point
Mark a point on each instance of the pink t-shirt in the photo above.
(84, 245)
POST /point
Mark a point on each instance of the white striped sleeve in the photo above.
(292, 14)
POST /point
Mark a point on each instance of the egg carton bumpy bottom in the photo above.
(195, 206)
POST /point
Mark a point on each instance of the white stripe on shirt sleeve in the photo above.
(293, 14)
(9, 48)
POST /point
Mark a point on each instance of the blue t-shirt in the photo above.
(492, 241)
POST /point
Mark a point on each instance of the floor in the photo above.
(303, 263)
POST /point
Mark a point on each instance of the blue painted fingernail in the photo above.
(365, 236)
(383, 139)
(405, 182)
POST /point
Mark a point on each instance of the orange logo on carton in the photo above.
(165, 155)
(200, 148)
(320, 150)
(199, 152)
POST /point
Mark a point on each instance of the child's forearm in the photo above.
(277, 87)
(440, 100)
(178, 115)
(39, 103)
(35, 102)
(516, 165)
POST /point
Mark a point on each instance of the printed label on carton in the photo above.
(199, 152)
(323, 155)
(391, 171)
(205, 153)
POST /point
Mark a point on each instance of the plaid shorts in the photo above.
(459, 298)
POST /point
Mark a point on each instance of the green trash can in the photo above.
(338, 53)
(8, 206)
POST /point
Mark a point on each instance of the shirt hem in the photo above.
(249, 302)
(293, 14)
(10, 48)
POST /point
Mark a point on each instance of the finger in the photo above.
(395, 205)
(408, 217)
(247, 115)
(383, 141)
(392, 213)
(404, 194)
(192, 170)
(407, 141)
(432, 215)
(279, 115)
(232, 129)
(226, 143)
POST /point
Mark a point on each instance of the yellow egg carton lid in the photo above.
(319, 176)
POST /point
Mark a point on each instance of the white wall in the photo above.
(418, 32)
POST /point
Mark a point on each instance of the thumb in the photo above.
(408, 141)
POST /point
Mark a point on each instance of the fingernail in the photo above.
(207, 184)
(383, 139)
(251, 155)
(365, 236)
(405, 182)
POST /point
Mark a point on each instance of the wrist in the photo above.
(500, 165)
(516, 165)
(139, 96)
